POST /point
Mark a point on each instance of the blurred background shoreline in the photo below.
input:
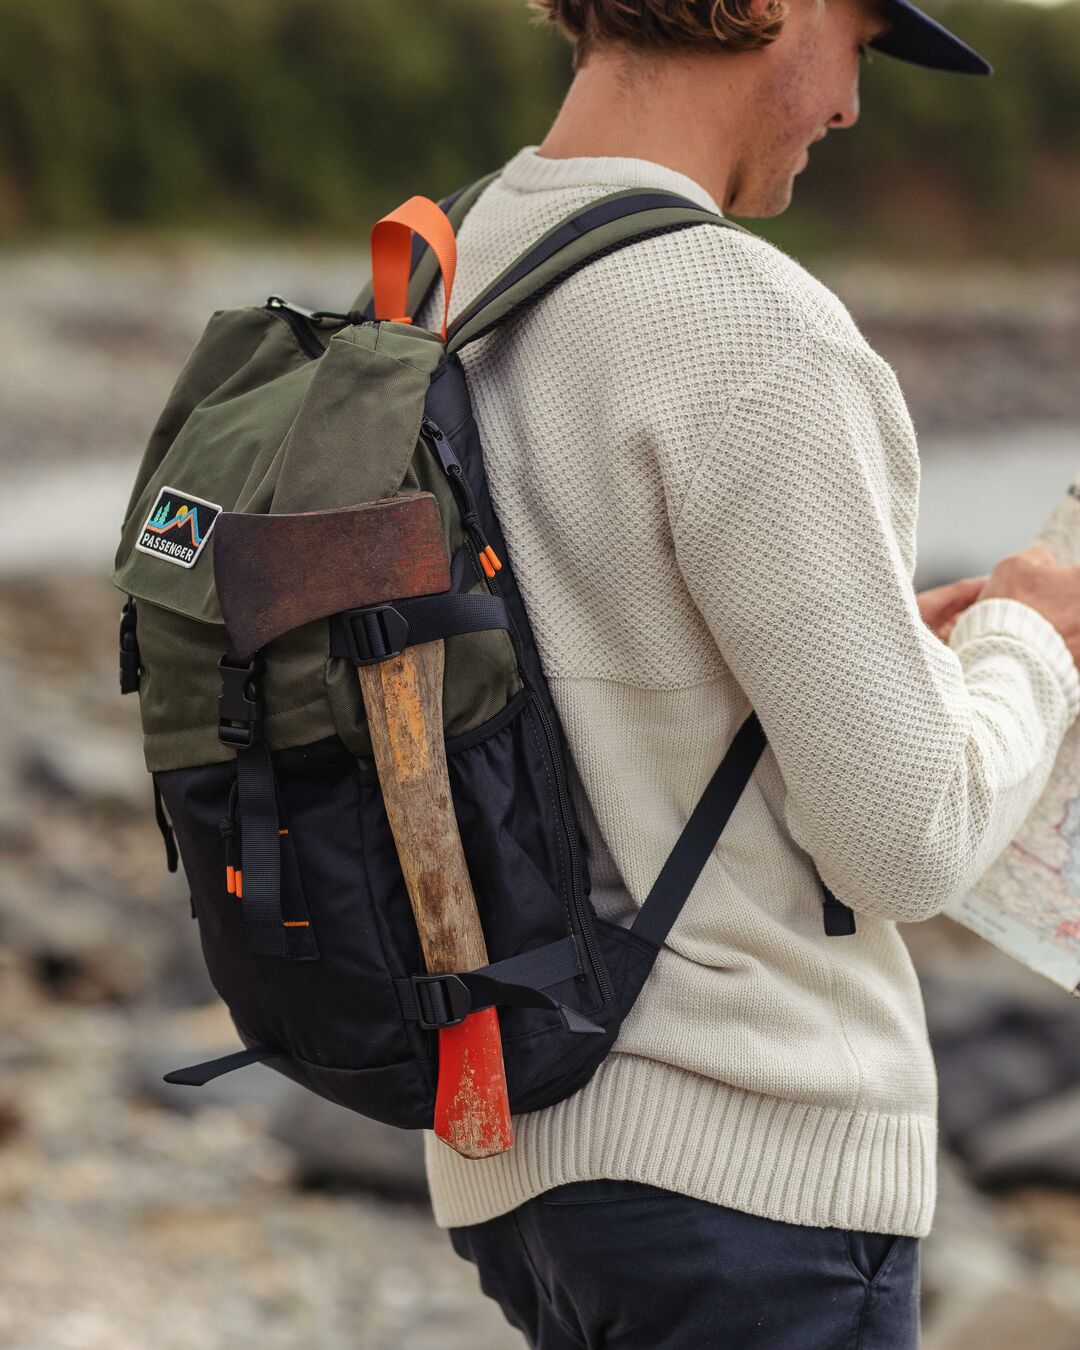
(160, 162)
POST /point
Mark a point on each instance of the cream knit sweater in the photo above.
(708, 485)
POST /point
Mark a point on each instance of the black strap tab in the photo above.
(378, 632)
(130, 661)
(839, 919)
(196, 1075)
(260, 853)
(164, 824)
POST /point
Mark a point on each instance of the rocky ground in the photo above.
(134, 1215)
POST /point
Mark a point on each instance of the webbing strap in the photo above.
(392, 257)
(373, 634)
(611, 223)
(698, 839)
(264, 929)
(435, 1000)
(684, 864)
(424, 265)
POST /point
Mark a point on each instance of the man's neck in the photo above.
(611, 109)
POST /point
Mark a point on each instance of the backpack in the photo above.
(263, 765)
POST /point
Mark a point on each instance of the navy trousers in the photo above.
(616, 1265)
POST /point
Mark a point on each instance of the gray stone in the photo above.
(980, 1291)
(337, 1147)
(1038, 1145)
(1004, 1041)
(92, 768)
(1020, 1317)
(255, 1085)
(332, 1146)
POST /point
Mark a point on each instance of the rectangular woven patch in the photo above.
(178, 527)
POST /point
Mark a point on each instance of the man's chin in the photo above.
(762, 206)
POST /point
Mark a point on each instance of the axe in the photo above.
(274, 573)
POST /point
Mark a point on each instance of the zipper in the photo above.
(302, 321)
(234, 877)
(482, 553)
(470, 517)
(575, 854)
(299, 320)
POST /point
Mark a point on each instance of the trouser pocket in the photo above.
(871, 1253)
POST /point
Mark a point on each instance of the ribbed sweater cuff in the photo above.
(643, 1120)
(1003, 617)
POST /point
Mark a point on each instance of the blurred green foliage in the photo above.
(289, 114)
(314, 116)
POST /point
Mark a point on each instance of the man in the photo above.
(708, 483)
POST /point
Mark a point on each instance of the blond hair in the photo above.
(665, 24)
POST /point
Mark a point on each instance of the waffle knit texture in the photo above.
(708, 484)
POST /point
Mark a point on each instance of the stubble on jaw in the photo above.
(777, 134)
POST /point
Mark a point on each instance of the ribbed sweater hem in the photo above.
(647, 1121)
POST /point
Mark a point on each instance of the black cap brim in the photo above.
(916, 37)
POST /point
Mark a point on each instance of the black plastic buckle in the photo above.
(130, 661)
(374, 634)
(240, 709)
(458, 1000)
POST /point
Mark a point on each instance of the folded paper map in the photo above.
(1028, 903)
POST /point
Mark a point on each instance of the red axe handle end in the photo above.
(403, 702)
(472, 1114)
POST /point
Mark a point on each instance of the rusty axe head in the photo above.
(275, 573)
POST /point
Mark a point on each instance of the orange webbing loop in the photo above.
(391, 253)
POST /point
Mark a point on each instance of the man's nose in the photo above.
(848, 115)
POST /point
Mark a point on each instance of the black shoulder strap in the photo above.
(686, 860)
(593, 231)
(601, 227)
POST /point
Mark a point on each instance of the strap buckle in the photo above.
(440, 995)
(375, 633)
(240, 709)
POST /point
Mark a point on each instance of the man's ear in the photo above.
(756, 9)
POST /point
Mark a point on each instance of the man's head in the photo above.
(731, 92)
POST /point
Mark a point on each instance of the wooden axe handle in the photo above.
(403, 702)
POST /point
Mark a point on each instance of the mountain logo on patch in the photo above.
(177, 527)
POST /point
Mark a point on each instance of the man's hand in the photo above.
(1034, 578)
(942, 605)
